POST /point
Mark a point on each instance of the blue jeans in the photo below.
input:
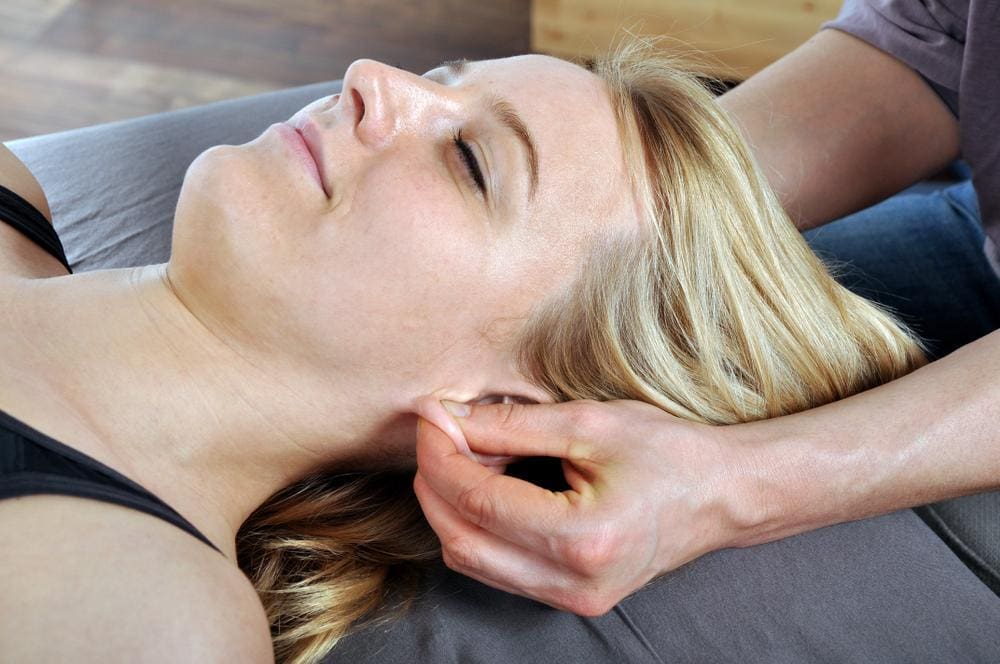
(920, 254)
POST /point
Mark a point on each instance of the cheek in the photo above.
(239, 237)
(407, 230)
(537, 262)
(408, 263)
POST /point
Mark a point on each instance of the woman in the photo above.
(522, 229)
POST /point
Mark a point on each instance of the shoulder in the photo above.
(19, 256)
(106, 583)
(15, 176)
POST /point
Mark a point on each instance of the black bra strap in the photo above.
(26, 218)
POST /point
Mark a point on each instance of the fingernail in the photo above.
(455, 408)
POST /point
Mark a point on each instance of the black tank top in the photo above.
(32, 463)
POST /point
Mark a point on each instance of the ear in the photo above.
(501, 398)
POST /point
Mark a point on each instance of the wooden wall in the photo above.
(72, 63)
(738, 37)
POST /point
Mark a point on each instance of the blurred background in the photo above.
(72, 63)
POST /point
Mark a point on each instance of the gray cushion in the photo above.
(971, 526)
(878, 590)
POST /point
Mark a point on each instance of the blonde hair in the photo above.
(720, 312)
(334, 552)
(716, 312)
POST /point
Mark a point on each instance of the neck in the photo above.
(211, 427)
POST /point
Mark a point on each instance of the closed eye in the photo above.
(471, 163)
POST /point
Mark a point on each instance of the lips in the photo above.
(309, 134)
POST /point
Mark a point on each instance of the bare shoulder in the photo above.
(86, 581)
(15, 176)
(19, 255)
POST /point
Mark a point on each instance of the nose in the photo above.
(389, 103)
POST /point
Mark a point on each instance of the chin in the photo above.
(214, 171)
(213, 221)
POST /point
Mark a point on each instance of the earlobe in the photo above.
(429, 407)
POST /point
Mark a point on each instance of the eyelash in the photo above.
(471, 163)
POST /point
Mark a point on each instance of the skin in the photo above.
(291, 330)
(813, 117)
(406, 249)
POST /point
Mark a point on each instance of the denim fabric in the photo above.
(920, 254)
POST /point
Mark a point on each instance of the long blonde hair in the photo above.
(717, 312)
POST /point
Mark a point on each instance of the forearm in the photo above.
(928, 436)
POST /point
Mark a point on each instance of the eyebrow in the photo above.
(507, 116)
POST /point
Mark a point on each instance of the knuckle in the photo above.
(509, 415)
(460, 554)
(478, 504)
(594, 554)
(586, 418)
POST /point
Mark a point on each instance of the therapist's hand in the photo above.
(649, 492)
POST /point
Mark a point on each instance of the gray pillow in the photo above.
(884, 589)
(112, 188)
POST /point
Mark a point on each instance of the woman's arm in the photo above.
(88, 582)
(838, 125)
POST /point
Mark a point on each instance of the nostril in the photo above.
(359, 106)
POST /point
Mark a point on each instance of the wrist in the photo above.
(775, 488)
(744, 503)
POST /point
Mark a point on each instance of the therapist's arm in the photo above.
(929, 436)
(651, 492)
(838, 125)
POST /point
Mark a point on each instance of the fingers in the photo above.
(429, 408)
(489, 559)
(514, 429)
(510, 508)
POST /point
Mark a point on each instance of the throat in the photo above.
(114, 365)
(102, 363)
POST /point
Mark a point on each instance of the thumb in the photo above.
(515, 429)
(434, 411)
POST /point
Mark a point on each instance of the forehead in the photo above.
(569, 114)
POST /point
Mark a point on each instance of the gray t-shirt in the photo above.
(955, 46)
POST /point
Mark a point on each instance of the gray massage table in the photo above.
(885, 589)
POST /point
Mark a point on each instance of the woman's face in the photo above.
(397, 263)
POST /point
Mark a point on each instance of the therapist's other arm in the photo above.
(838, 125)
